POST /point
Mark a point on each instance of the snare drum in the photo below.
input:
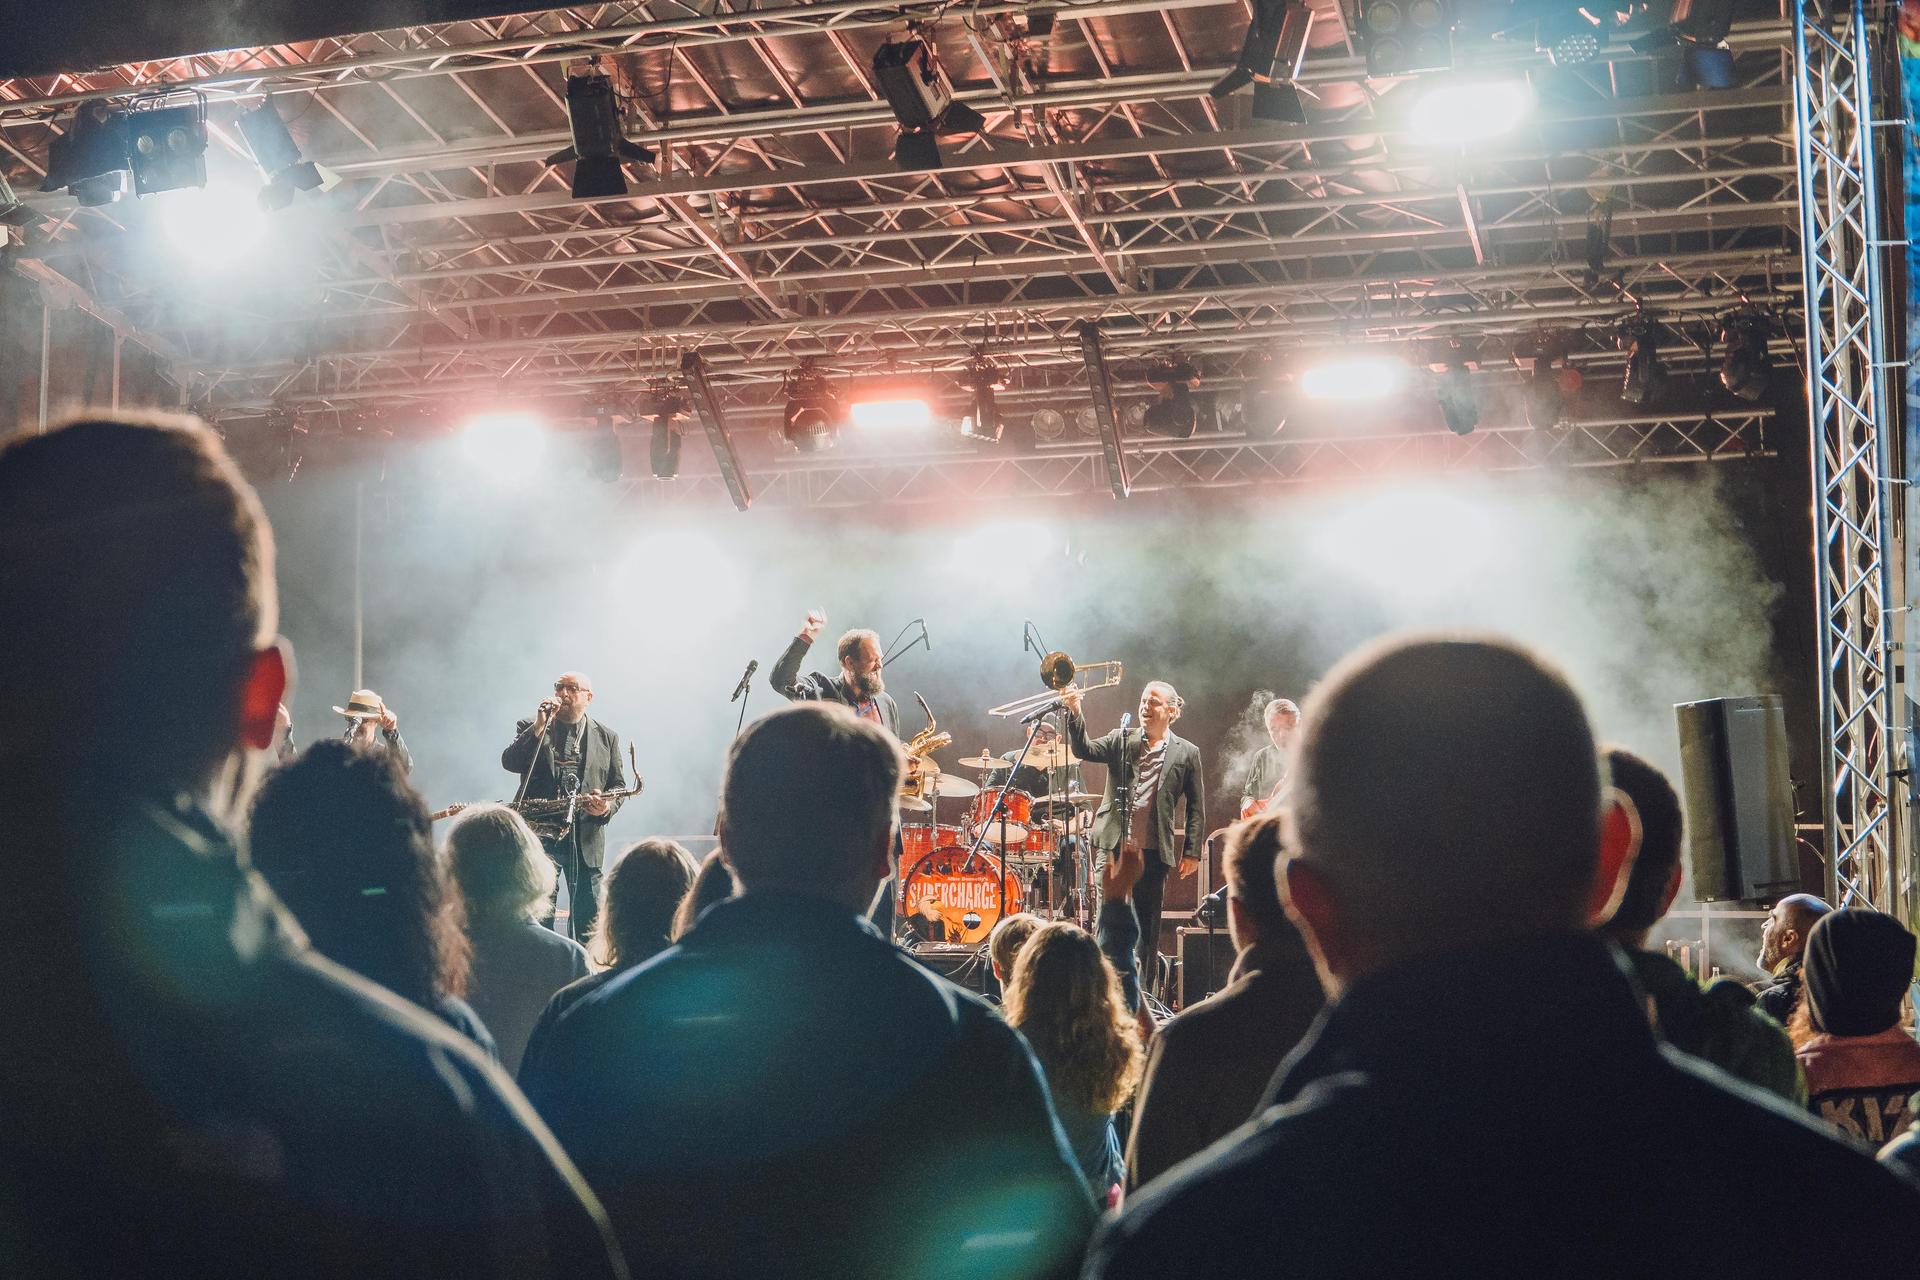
(1040, 847)
(1018, 814)
(964, 896)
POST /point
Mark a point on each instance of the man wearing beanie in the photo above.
(1862, 1065)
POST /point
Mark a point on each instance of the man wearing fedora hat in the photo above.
(370, 721)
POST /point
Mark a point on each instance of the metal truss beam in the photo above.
(1218, 462)
(1853, 420)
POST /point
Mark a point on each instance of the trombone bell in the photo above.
(1058, 673)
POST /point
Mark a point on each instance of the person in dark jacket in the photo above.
(1720, 1024)
(1851, 1031)
(1162, 773)
(785, 1093)
(1783, 940)
(1485, 1095)
(563, 751)
(859, 686)
(1209, 1066)
(190, 1089)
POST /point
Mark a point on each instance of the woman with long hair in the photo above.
(712, 883)
(347, 846)
(508, 883)
(1065, 997)
(640, 898)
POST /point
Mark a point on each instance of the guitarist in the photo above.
(1150, 771)
(561, 752)
(1267, 776)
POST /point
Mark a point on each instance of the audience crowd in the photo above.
(257, 1022)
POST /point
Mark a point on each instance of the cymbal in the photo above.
(913, 804)
(983, 762)
(1053, 756)
(954, 787)
(1075, 798)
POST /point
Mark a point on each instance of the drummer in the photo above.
(1049, 769)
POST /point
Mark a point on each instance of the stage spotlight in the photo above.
(1646, 376)
(663, 450)
(90, 158)
(1270, 58)
(1040, 22)
(1354, 378)
(1263, 407)
(605, 462)
(1570, 37)
(813, 413)
(215, 227)
(920, 93)
(1048, 424)
(1544, 403)
(599, 146)
(1086, 421)
(1462, 112)
(1174, 414)
(1745, 367)
(167, 145)
(1403, 37)
(982, 420)
(1458, 403)
(890, 404)
(287, 172)
(507, 444)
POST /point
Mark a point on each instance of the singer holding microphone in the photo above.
(1150, 770)
(561, 752)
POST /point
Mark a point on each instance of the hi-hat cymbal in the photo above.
(913, 804)
(983, 761)
(952, 786)
(1076, 798)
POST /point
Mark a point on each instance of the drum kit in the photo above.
(1009, 849)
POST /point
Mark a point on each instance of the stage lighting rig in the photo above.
(1263, 409)
(693, 371)
(1459, 403)
(1048, 424)
(1746, 369)
(1551, 381)
(604, 460)
(983, 420)
(1646, 377)
(663, 445)
(1093, 355)
(599, 146)
(12, 212)
(167, 142)
(1270, 58)
(90, 158)
(1570, 37)
(1404, 37)
(814, 413)
(1174, 414)
(287, 171)
(920, 93)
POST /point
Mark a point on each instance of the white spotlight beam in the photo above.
(1093, 353)
(694, 369)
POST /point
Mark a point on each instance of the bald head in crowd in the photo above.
(1446, 795)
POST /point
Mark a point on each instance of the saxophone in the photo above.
(922, 745)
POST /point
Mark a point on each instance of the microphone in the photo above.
(925, 639)
(1044, 709)
(1126, 718)
(740, 690)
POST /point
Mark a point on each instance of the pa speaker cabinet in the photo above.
(1738, 798)
(1206, 958)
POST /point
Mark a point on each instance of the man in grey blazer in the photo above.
(561, 749)
(1150, 770)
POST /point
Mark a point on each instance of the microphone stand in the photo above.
(738, 728)
(999, 814)
(919, 639)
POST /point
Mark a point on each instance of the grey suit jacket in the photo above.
(814, 687)
(1181, 779)
(600, 770)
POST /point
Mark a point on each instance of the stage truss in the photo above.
(1854, 422)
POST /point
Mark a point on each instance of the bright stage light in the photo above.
(218, 226)
(899, 413)
(1354, 378)
(1463, 112)
(506, 445)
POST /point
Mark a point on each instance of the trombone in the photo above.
(1058, 673)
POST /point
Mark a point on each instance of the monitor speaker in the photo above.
(1206, 959)
(1738, 799)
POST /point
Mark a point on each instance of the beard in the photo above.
(870, 686)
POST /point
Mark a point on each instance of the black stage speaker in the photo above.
(1738, 798)
(967, 966)
(1206, 958)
